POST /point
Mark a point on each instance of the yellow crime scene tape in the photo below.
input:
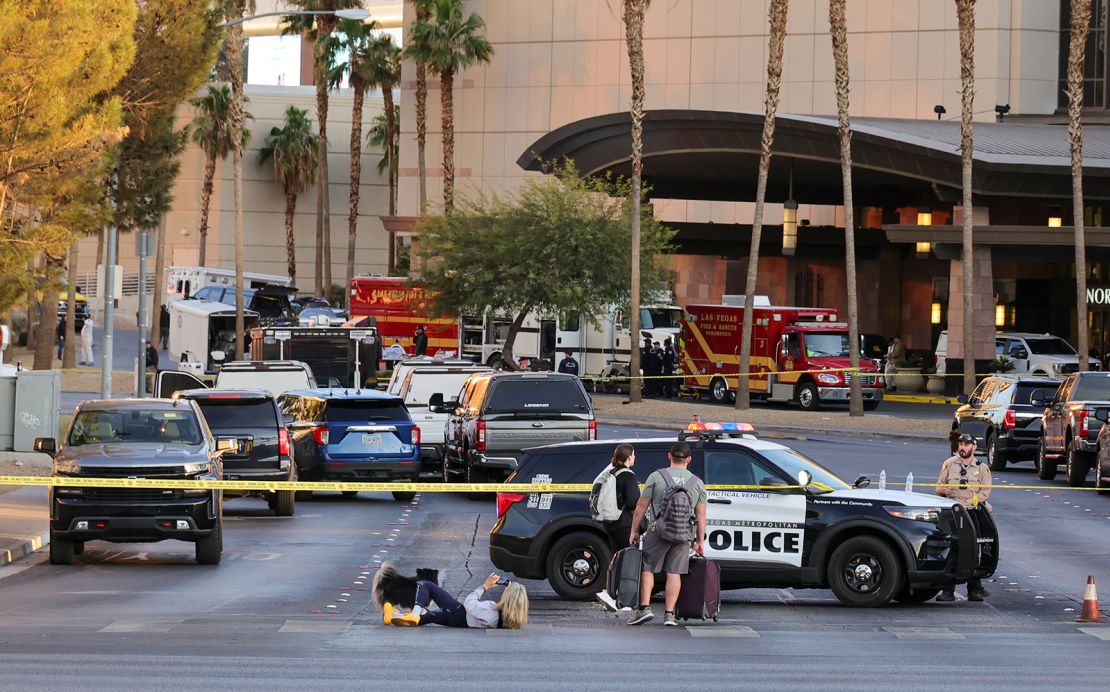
(169, 484)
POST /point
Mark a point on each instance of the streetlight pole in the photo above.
(235, 65)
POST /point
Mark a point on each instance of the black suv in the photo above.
(155, 439)
(868, 546)
(270, 302)
(499, 415)
(252, 418)
(999, 413)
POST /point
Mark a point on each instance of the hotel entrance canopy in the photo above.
(714, 155)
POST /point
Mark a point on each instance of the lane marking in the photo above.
(711, 631)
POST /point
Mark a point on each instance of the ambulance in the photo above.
(798, 355)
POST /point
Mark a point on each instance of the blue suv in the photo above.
(352, 435)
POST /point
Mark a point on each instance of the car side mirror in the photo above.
(861, 482)
(227, 444)
(963, 398)
(435, 402)
(1036, 398)
(46, 445)
(1102, 414)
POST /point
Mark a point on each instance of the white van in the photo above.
(416, 389)
(1034, 354)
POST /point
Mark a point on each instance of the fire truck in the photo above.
(798, 355)
(398, 308)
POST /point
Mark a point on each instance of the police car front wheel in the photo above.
(864, 572)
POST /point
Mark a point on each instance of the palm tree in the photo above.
(211, 130)
(965, 15)
(415, 48)
(234, 9)
(379, 134)
(634, 38)
(838, 27)
(372, 61)
(1080, 23)
(450, 44)
(317, 29)
(293, 149)
(777, 21)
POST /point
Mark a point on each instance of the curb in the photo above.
(920, 399)
(16, 549)
(789, 432)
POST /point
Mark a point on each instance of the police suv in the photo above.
(802, 527)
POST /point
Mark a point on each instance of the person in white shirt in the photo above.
(509, 612)
(87, 341)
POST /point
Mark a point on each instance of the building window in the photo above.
(1094, 63)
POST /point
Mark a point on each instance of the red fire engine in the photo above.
(798, 354)
(399, 308)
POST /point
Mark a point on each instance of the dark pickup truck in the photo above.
(1070, 425)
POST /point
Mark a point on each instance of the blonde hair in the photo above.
(514, 606)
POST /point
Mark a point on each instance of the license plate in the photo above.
(371, 440)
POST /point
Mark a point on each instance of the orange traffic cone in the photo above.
(1090, 603)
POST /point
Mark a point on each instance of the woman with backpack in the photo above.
(613, 501)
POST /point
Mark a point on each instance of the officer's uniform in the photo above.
(970, 485)
(569, 365)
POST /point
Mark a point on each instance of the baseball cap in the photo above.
(967, 438)
(680, 450)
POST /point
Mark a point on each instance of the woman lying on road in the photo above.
(509, 612)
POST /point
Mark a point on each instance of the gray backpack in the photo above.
(675, 523)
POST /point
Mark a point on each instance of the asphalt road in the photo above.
(287, 608)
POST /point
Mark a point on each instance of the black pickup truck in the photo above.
(1070, 426)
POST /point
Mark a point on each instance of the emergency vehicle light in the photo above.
(715, 430)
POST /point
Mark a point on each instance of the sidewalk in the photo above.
(23, 511)
(667, 413)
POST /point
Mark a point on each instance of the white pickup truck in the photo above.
(416, 388)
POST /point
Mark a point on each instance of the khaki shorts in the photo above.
(663, 556)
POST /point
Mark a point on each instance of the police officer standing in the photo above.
(420, 341)
(670, 385)
(966, 480)
(568, 365)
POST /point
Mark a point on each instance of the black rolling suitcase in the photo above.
(623, 580)
(700, 597)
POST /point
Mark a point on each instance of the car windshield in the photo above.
(366, 410)
(660, 318)
(1050, 346)
(538, 396)
(792, 462)
(135, 425)
(826, 344)
(238, 413)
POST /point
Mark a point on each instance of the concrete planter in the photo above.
(908, 380)
(935, 384)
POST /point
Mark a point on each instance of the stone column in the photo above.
(983, 319)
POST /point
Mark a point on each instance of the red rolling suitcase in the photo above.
(623, 580)
(700, 597)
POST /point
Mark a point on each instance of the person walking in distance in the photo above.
(627, 496)
(676, 499)
(420, 341)
(60, 336)
(895, 353)
(966, 480)
(568, 364)
(87, 341)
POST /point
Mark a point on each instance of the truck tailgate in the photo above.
(515, 434)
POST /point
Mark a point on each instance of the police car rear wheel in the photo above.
(907, 597)
(864, 572)
(576, 565)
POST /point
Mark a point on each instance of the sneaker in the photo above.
(388, 613)
(669, 620)
(641, 615)
(406, 620)
(946, 597)
(606, 600)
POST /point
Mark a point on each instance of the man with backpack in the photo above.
(677, 500)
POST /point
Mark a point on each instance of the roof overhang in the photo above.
(714, 155)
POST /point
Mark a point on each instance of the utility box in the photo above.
(37, 397)
(7, 411)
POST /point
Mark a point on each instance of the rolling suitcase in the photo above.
(623, 580)
(700, 597)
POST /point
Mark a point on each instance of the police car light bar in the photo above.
(708, 431)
